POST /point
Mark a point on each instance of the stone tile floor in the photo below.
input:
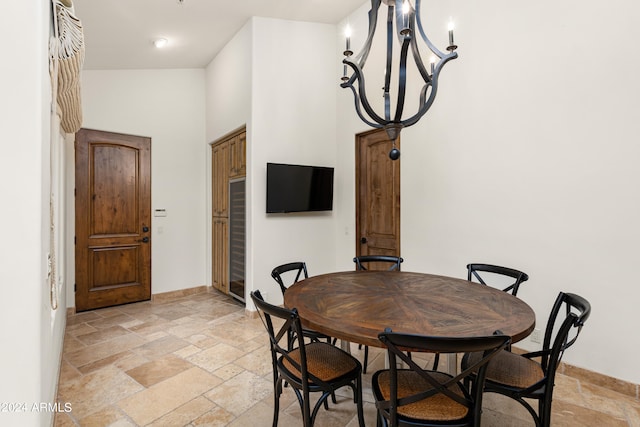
(200, 361)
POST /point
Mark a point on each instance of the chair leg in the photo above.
(544, 412)
(366, 359)
(436, 361)
(276, 402)
(333, 399)
(358, 392)
(306, 410)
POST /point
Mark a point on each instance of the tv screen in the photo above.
(297, 188)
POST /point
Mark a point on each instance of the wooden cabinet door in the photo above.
(220, 184)
(220, 254)
(238, 156)
(228, 162)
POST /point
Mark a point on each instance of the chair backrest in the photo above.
(395, 261)
(298, 268)
(477, 272)
(279, 339)
(562, 332)
(399, 344)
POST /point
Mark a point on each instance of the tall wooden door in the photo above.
(377, 196)
(113, 219)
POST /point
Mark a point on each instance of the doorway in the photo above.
(377, 195)
(113, 219)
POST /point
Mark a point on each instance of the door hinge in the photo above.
(75, 240)
(75, 287)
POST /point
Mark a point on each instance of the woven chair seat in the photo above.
(324, 361)
(511, 369)
(438, 407)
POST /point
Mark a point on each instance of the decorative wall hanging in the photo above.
(67, 56)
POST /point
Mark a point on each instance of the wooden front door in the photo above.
(113, 219)
(377, 196)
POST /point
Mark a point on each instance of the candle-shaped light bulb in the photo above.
(433, 63)
(406, 7)
(347, 34)
(451, 32)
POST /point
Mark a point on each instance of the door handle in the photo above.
(363, 240)
(144, 240)
(145, 229)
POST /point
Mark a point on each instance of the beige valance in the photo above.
(67, 58)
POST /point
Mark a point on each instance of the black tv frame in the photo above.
(299, 188)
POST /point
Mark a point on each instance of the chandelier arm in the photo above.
(361, 93)
(387, 107)
(410, 22)
(402, 80)
(431, 46)
(389, 60)
(399, 17)
(359, 111)
(418, 60)
(362, 56)
(423, 93)
(425, 106)
(442, 62)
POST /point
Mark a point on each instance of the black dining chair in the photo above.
(521, 377)
(494, 275)
(393, 262)
(419, 397)
(297, 270)
(315, 367)
(362, 264)
(481, 273)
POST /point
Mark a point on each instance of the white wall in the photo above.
(168, 106)
(262, 79)
(528, 159)
(31, 330)
(293, 121)
(228, 86)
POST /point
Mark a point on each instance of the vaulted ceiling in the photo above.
(119, 34)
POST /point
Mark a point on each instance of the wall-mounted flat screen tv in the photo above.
(297, 188)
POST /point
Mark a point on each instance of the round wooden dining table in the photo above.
(356, 306)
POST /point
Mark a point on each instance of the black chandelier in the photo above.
(407, 22)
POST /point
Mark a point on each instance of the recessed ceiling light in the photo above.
(160, 43)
